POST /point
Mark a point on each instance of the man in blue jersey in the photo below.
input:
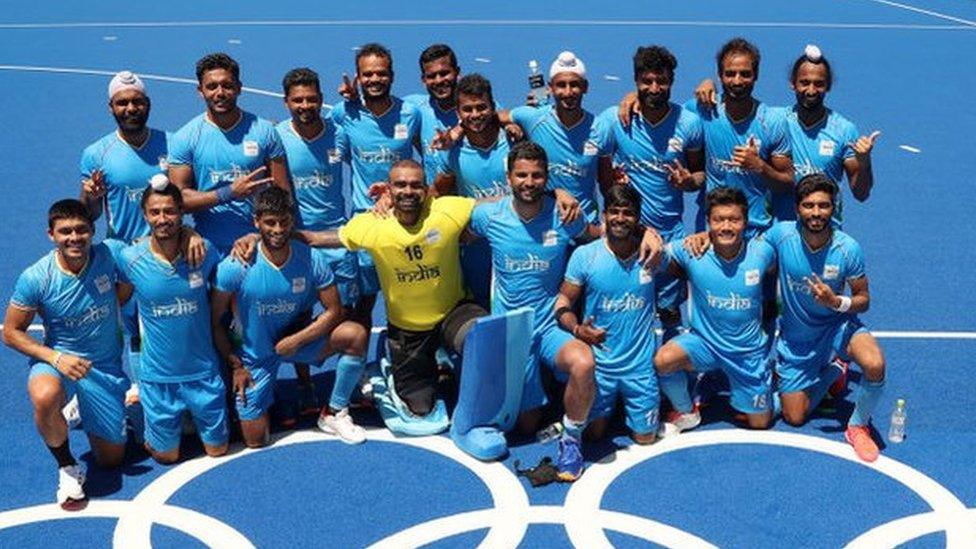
(660, 154)
(315, 171)
(727, 321)
(223, 156)
(275, 292)
(174, 307)
(73, 289)
(618, 295)
(439, 73)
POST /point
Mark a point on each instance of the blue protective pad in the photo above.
(397, 417)
(492, 377)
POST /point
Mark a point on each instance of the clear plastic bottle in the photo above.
(896, 430)
(537, 84)
(550, 433)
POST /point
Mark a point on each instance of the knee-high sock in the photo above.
(867, 399)
(348, 371)
(675, 387)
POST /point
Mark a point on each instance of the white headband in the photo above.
(567, 62)
(125, 80)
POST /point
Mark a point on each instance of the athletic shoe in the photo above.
(859, 436)
(340, 424)
(680, 422)
(308, 403)
(71, 494)
(570, 462)
(839, 386)
(71, 413)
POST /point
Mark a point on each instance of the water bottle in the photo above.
(537, 84)
(550, 433)
(896, 432)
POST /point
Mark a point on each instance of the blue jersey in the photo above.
(821, 148)
(840, 260)
(79, 312)
(619, 295)
(726, 295)
(645, 150)
(478, 173)
(432, 119)
(315, 171)
(528, 257)
(218, 157)
(572, 152)
(127, 171)
(372, 144)
(270, 298)
(767, 126)
(174, 313)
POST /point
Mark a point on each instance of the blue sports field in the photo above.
(900, 68)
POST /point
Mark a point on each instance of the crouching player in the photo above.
(619, 297)
(726, 325)
(275, 291)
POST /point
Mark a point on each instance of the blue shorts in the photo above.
(750, 374)
(639, 394)
(311, 353)
(800, 362)
(545, 346)
(260, 397)
(164, 403)
(369, 282)
(101, 398)
(345, 267)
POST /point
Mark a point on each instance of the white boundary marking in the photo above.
(903, 530)
(968, 25)
(971, 24)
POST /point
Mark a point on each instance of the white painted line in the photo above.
(482, 59)
(927, 12)
(110, 38)
(611, 77)
(910, 148)
(233, 41)
(497, 23)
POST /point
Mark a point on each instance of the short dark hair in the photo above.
(169, 190)
(407, 163)
(436, 51)
(476, 85)
(739, 45)
(622, 196)
(375, 49)
(302, 76)
(69, 208)
(815, 182)
(654, 59)
(819, 61)
(273, 201)
(724, 196)
(214, 61)
(527, 150)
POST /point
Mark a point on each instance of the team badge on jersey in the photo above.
(675, 144)
(163, 163)
(251, 148)
(400, 131)
(827, 147)
(831, 272)
(298, 285)
(589, 148)
(432, 236)
(549, 238)
(646, 276)
(335, 156)
(103, 284)
(196, 279)
(752, 277)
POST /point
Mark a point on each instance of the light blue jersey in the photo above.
(528, 257)
(645, 150)
(840, 260)
(174, 313)
(372, 144)
(572, 152)
(432, 120)
(315, 171)
(270, 298)
(79, 312)
(767, 126)
(218, 157)
(821, 148)
(726, 295)
(127, 171)
(619, 295)
(478, 173)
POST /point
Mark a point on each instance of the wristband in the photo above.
(224, 194)
(845, 304)
(57, 359)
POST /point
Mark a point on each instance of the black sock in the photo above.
(62, 454)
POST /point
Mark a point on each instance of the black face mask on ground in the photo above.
(540, 475)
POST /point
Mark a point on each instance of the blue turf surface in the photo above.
(904, 72)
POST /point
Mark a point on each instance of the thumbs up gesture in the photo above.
(862, 147)
(747, 156)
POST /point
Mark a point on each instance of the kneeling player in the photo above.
(726, 325)
(274, 291)
(619, 296)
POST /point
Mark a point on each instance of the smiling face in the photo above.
(815, 210)
(130, 109)
(654, 89)
(408, 190)
(528, 180)
(440, 77)
(621, 221)
(275, 229)
(726, 223)
(304, 102)
(164, 216)
(738, 76)
(568, 89)
(375, 76)
(810, 85)
(475, 112)
(72, 237)
(219, 89)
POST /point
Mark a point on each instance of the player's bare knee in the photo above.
(350, 338)
(794, 417)
(759, 421)
(47, 396)
(643, 439)
(668, 359)
(164, 458)
(215, 451)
